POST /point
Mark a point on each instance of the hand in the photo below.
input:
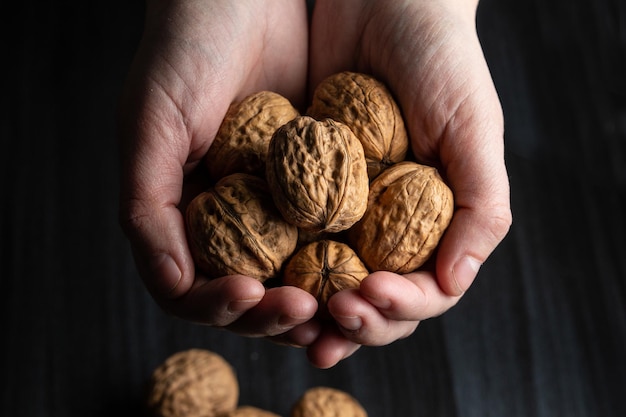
(195, 59)
(429, 55)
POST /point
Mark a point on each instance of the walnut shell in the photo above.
(408, 211)
(234, 228)
(367, 107)
(324, 268)
(317, 174)
(327, 402)
(193, 383)
(248, 411)
(244, 135)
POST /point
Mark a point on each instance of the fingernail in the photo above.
(166, 272)
(464, 272)
(351, 323)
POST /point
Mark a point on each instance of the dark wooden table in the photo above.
(541, 333)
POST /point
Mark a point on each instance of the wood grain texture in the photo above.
(542, 333)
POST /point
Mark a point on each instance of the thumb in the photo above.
(471, 237)
(473, 160)
(155, 230)
(153, 155)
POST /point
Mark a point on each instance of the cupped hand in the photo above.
(429, 54)
(195, 58)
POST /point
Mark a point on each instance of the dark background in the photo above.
(541, 333)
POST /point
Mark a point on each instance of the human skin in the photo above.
(197, 57)
(429, 55)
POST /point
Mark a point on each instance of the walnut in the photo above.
(327, 402)
(409, 209)
(248, 411)
(244, 135)
(366, 106)
(323, 268)
(193, 383)
(317, 174)
(234, 228)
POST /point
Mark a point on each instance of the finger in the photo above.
(216, 302)
(280, 310)
(330, 348)
(411, 297)
(388, 307)
(362, 323)
(301, 335)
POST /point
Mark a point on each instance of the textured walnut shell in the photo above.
(234, 228)
(244, 135)
(248, 411)
(317, 174)
(193, 383)
(324, 268)
(327, 402)
(408, 211)
(367, 107)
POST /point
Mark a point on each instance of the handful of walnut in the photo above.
(338, 197)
